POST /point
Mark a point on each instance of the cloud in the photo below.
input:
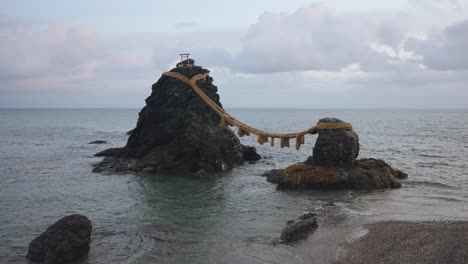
(445, 50)
(318, 38)
(55, 56)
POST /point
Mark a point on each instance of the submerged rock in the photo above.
(334, 165)
(65, 241)
(299, 229)
(177, 132)
(98, 142)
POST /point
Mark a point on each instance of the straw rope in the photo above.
(246, 130)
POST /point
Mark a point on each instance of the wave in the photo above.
(430, 184)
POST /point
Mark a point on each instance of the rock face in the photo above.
(335, 147)
(334, 165)
(65, 241)
(299, 229)
(177, 132)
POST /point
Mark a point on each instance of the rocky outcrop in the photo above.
(334, 165)
(177, 133)
(364, 174)
(65, 241)
(299, 229)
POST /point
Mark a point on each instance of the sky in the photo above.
(408, 54)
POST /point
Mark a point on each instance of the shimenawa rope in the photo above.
(244, 129)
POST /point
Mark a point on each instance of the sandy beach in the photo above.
(408, 242)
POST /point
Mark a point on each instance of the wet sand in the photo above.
(407, 242)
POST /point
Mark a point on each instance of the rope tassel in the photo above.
(244, 129)
(262, 139)
(284, 142)
(299, 141)
(240, 132)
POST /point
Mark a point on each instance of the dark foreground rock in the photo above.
(299, 229)
(98, 142)
(334, 165)
(65, 241)
(177, 133)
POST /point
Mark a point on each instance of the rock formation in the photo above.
(177, 132)
(334, 165)
(65, 241)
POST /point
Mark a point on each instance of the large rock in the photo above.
(177, 133)
(364, 174)
(334, 165)
(335, 146)
(65, 241)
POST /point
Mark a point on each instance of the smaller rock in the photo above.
(299, 229)
(112, 152)
(98, 142)
(65, 241)
(249, 153)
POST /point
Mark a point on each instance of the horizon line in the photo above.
(286, 108)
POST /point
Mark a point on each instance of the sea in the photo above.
(235, 217)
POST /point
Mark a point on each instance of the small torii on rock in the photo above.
(185, 61)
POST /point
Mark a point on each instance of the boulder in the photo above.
(177, 133)
(65, 241)
(299, 229)
(335, 146)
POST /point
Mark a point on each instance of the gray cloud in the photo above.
(317, 38)
(55, 56)
(445, 50)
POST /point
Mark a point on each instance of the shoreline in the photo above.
(404, 241)
(391, 238)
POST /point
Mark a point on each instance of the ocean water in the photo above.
(45, 174)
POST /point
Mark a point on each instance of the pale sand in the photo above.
(402, 242)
